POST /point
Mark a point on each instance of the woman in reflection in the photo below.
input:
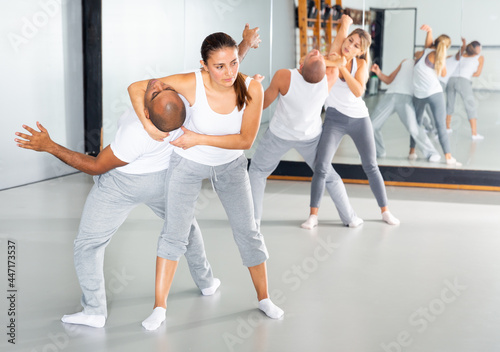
(226, 112)
(451, 64)
(399, 98)
(346, 114)
(430, 63)
(470, 64)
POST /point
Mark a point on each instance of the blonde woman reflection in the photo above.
(346, 114)
(430, 63)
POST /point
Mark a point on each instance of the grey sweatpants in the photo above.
(462, 86)
(108, 204)
(436, 103)
(402, 104)
(231, 183)
(335, 127)
(267, 157)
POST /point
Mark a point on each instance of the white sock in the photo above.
(412, 156)
(355, 222)
(154, 321)
(271, 310)
(211, 290)
(434, 158)
(95, 321)
(453, 161)
(389, 218)
(310, 223)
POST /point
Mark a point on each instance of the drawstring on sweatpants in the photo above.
(213, 176)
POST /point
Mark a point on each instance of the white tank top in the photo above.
(403, 82)
(466, 67)
(206, 121)
(425, 79)
(342, 99)
(298, 114)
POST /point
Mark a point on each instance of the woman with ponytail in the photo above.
(346, 114)
(429, 65)
(226, 107)
(470, 64)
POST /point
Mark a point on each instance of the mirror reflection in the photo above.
(459, 123)
(464, 99)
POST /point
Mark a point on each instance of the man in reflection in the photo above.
(297, 124)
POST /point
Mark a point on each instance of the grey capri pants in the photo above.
(231, 183)
(462, 86)
(335, 127)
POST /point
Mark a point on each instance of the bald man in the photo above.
(128, 172)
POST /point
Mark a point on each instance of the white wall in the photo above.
(41, 70)
(156, 38)
(137, 44)
(481, 22)
(283, 38)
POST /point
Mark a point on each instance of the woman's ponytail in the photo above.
(242, 95)
(442, 43)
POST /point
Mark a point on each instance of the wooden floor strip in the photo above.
(397, 183)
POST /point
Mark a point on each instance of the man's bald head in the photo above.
(314, 68)
(163, 106)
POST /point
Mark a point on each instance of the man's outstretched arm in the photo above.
(40, 141)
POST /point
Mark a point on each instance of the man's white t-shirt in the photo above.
(133, 145)
(298, 113)
(403, 82)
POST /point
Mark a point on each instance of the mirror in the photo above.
(462, 20)
(473, 20)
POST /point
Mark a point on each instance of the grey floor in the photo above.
(430, 284)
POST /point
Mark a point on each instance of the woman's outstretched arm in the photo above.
(429, 39)
(480, 67)
(336, 46)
